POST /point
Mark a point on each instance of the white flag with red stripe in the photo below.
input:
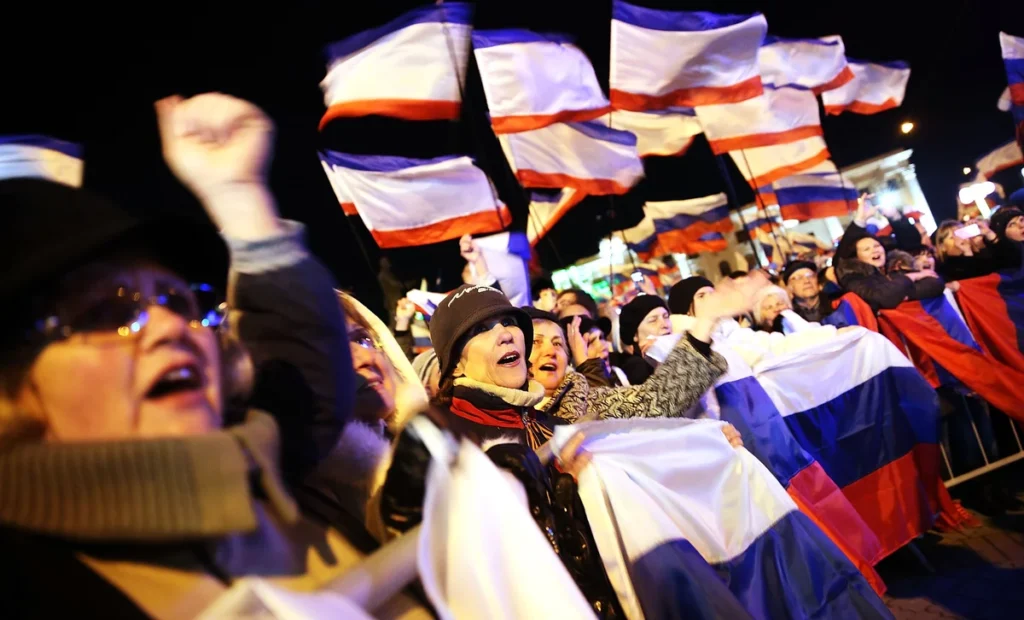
(588, 157)
(777, 116)
(408, 202)
(546, 209)
(875, 87)
(664, 133)
(661, 59)
(410, 68)
(817, 64)
(533, 80)
(764, 165)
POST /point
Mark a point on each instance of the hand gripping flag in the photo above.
(666, 499)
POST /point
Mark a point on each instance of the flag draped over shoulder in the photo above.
(673, 506)
(481, 552)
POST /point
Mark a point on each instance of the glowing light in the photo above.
(907, 127)
(967, 170)
(976, 193)
(135, 327)
(123, 331)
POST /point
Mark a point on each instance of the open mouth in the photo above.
(547, 367)
(177, 380)
(509, 359)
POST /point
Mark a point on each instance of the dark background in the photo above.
(90, 76)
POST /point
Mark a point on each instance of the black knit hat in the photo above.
(795, 266)
(460, 311)
(50, 228)
(634, 313)
(680, 298)
(1001, 218)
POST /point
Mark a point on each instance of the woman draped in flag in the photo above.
(483, 346)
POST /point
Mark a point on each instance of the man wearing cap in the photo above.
(801, 281)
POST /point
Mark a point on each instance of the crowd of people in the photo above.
(158, 443)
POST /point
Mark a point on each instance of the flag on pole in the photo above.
(411, 68)
(875, 87)
(408, 202)
(533, 80)
(663, 59)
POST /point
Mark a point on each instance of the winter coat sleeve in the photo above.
(284, 311)
(878, 290)
(926, 288)
(596, 372)
(670, 391)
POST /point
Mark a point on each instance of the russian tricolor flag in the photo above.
(410, 68)
(408, 202)
(680, 221)
(993, 307)
(533, 80)
(1013, 59)
(810, 195)
(643, 239)
(741, 401)
(934, 331)
(686, 523)
(862, 411)
(663, 59)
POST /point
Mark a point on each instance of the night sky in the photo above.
(91, 78)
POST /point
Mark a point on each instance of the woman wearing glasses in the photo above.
(128, 487)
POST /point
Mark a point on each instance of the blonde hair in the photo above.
(945, 229)
(764, 293)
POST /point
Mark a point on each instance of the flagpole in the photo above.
(483, 157)
(764, 207)
(730, 192)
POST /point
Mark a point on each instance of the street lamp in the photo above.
(907, 127)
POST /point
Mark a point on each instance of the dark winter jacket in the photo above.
(880, 291)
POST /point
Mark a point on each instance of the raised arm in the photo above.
(282, 300)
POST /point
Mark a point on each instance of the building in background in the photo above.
(890, 177)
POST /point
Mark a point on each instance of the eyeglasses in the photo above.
(125, 312)
(363, 339)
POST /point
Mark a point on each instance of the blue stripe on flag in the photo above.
(870, 425)
(449, 12)
(492, 38)
(381, 163)
(744, 404)
(654, 19)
